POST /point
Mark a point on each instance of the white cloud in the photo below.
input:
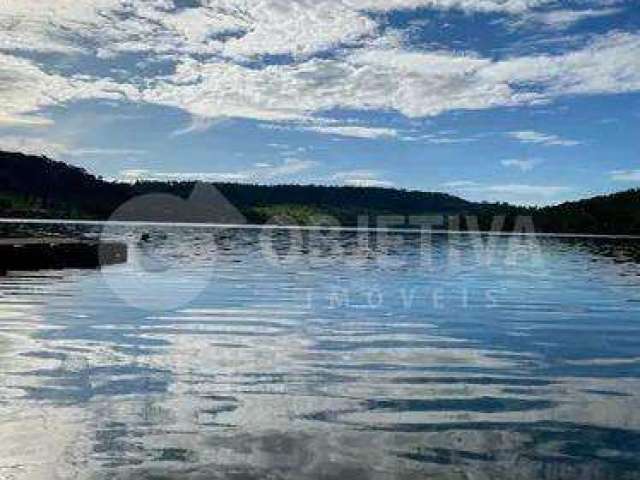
(132, 175)
(517, 188)
(360, 178)
(415, 84)
(460, 184)
(59, 11)
(293, 92)
(509, 6)
(443, 64)
(363, 173)
(263, 26)
(565, 18)
(299, 28)
(106, 152)
(523, 189)
(420, 84)
(198, 125)
(625, 175)
(525, 165)
(261, 173)
(56, 149)
(25, 88)
(32, 145)
(370, 75)
(196, 25)
(517, 193)
(355, 131)
(42, 25)
(438, 140)
(530, 136)
(610, 64)
(328, 126)
(24, 121)
(290, 166)
(141, 174)
(368, 182)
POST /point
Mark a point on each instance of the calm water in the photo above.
(247, 355)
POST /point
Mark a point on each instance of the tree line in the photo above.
(36, 186)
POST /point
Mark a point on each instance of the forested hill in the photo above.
(37, 187)
(618, 213)
(32, 186)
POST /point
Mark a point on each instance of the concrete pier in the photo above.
(48, 253)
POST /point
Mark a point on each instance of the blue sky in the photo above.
(526, 101)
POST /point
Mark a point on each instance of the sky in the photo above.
(525, 101)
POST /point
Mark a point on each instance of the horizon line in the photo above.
(250, 226)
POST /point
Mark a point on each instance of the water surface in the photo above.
(248, 355)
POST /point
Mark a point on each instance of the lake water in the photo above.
(241, 354)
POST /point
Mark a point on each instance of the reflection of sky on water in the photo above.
(264, 375)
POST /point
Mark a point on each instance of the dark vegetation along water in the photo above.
(250, 354)
(36, 187)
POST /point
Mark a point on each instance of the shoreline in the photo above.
(107, 223)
